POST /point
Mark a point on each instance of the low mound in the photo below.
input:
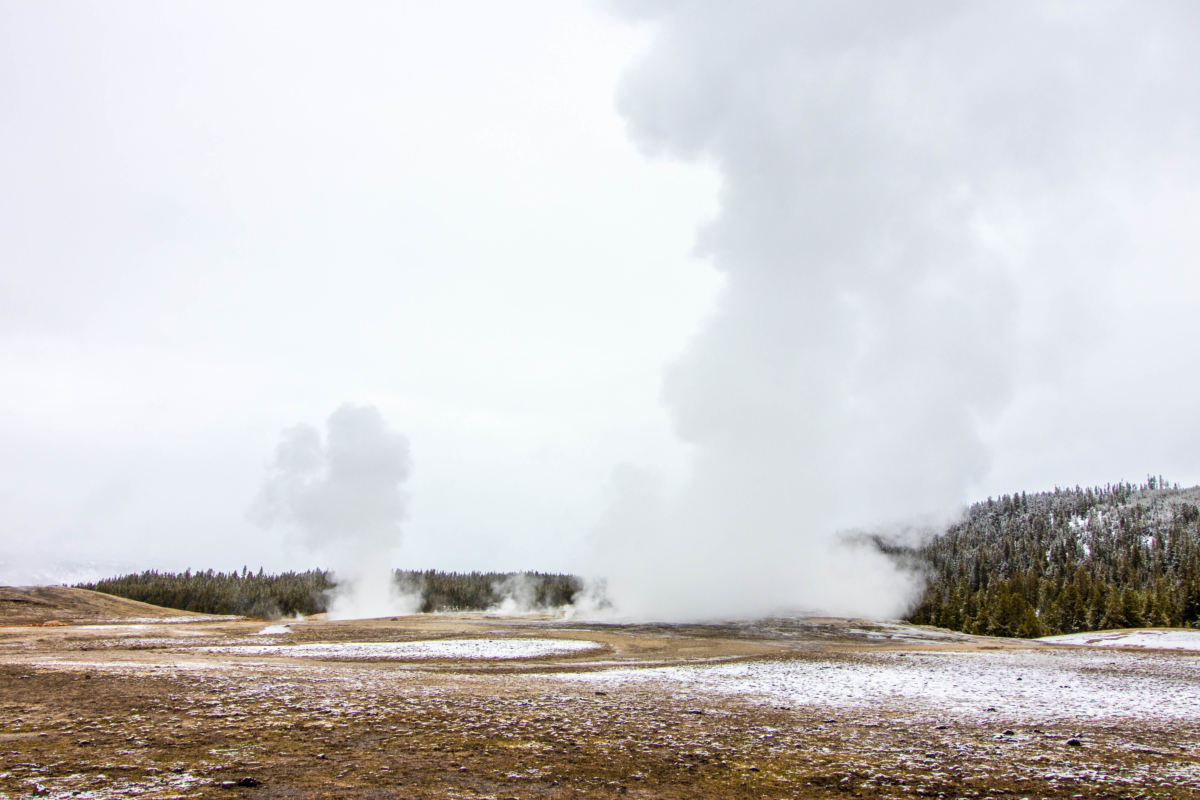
(50, 605)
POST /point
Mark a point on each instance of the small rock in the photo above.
(227, 784)
(1010, 733)
(320, 755)
(1074, 743)
(250, 782)
(694, 711)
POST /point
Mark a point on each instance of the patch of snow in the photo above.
(273, 630)
(1044, 684)
(1148, 639)
(139, 624)
(122, 622)
(437, 648)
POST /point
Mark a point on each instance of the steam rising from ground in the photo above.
(343, 496)
(916, 200)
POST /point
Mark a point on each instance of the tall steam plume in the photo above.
(343, 497)
(917, 200)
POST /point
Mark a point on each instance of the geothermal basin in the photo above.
(114, 700)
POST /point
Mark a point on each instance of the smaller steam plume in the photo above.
(343, 497)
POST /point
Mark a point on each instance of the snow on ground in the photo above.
(133, 622)
(273, 630)
(1042, 685)
(438, 648)
(907, 633)
(1147, 639)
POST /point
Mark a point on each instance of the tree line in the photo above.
(290, 594)
(479, 591)
(1029, 565)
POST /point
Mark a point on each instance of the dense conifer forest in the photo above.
(1122, 556)
(304, 593)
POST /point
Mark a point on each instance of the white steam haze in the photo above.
(342, 495)
(915, 201)
(800, 267)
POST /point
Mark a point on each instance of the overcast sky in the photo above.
(502, 224)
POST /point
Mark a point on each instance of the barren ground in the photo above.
(103, 698)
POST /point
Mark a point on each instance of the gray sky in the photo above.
(500, 223)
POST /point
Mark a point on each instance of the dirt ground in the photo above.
(103, 698)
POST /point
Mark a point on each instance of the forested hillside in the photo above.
(1026, 565)
(1064, 561)
(291, 593)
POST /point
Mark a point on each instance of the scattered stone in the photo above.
(249, 782)
(1074, 743)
